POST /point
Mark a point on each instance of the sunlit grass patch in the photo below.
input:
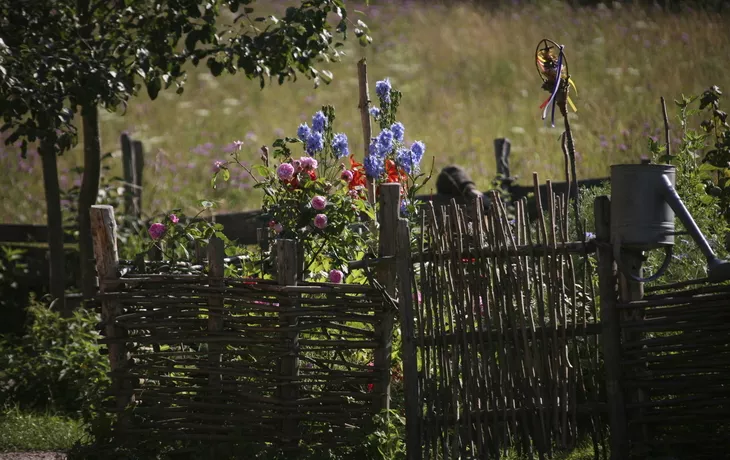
(21, 431)
(469, 77)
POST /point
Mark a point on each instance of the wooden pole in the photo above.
(502, 147)
(611, 331)
(128, 167)
(388, 239)
(137, 176)
(364, 106)
(216, 270)
(408, 342)
(104, 236)
(288, 267)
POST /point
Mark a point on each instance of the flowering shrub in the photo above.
(318, 197)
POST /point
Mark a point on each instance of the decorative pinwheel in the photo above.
(552, 66)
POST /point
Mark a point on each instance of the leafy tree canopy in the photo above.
(59, 55)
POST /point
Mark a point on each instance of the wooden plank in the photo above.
(24, 233)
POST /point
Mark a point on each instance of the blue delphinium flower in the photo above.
(398, 131)
(404, 159)
(374, 166)
(382, 89)
(319, 121)
(373, 148)
(374, 112)
(315, 143)
(339, 145)
(418, 148)
(385, 142)
(404, 208)
(303, 132)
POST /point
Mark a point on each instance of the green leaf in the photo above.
(226, 174)
(261, 170)
(153, 87)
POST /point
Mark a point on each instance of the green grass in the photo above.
(21, 431)
(468, 76)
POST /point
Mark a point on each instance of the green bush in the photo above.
(56, 365)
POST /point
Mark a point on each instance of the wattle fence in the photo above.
(514, 337)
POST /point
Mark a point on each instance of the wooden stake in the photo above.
(388, 242)
(610, 320)
(288, 267)
(104, 235)
(408, 344)
(367, 131)
(216, 269)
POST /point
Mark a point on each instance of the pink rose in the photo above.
(320, 221)
(285, 171)
(157, 230)
(319, 202)
(308, 163)
(272, 223)
(174, 219)
(297, 166)
(278, 228)
(346, 176)
(336, 276)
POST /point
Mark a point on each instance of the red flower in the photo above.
(358, 174)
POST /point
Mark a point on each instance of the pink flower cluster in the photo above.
(320, 221)
(285, 171)
(336, 276)
(157, 230)
(319, 202)
(276, 226)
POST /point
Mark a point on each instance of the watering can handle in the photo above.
(668, 250)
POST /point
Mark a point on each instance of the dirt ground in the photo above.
(32, 456)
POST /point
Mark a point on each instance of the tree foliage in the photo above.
(57, 56)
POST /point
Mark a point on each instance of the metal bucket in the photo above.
(641, 218)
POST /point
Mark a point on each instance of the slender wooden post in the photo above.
(611, 331)
(288, 267)
(104, 235)
(632, 291)
(137, 175)
(502, 147)
(408, 342)
(388, 242)
(215, 302)
(128, 167)
(364, 106)
(200, 252)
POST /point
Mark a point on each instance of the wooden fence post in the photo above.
(408, 344)
(215, 302)
(364, 105)
(388, 242)
(104, 235)
(132, 164)
(611, 331)
(502, 148)
(288, 267)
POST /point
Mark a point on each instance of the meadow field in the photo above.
(467, 75)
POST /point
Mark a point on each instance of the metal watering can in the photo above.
(643, 206)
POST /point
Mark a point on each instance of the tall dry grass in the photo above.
(467, 75)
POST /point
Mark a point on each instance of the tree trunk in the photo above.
(87, 197)
(57, 259)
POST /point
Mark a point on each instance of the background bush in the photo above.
(56, 366)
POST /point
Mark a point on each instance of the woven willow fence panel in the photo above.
(506, 335)
(239, 360)
(676, 361)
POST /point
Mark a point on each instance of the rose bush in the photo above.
(318, 197)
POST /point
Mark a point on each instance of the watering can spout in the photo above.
(718, 270)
